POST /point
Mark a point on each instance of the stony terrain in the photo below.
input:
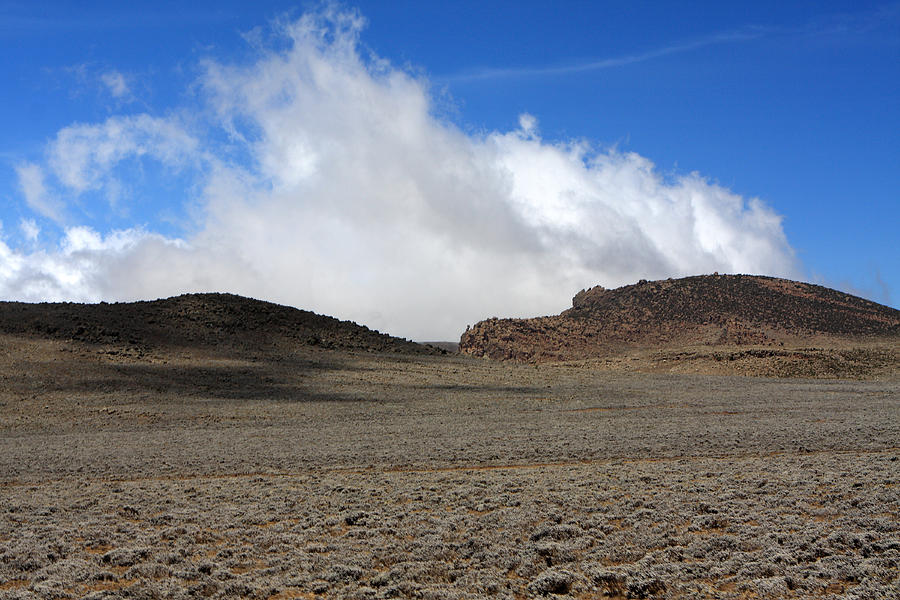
(249, 469)
(773, 317)
(226, 323)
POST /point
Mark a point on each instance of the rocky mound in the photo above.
(224, 323)
(714, 310)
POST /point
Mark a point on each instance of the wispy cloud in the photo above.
(37, 196)
(117, 84)
(836, 24)
(83, 157)
(110, 85)
(485, 73)
(30, 229)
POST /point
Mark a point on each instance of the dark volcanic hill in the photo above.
(723, 310)
(221, 323)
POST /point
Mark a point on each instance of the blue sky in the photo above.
(417, 166)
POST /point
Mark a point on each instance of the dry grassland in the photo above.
(327, 475)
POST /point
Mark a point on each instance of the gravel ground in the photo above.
(364, 476)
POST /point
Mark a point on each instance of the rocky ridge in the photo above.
(218, 323)
(706, 310)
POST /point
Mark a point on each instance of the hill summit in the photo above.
(705, 310)
(218, 323)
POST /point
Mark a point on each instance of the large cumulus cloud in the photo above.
(322, 178)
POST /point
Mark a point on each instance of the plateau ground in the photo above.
(210, 446)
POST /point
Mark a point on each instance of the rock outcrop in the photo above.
(723, 310)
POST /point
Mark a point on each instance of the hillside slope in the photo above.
(706, 310)
(218, 323)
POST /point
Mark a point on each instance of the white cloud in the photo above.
(358, 202)
(527, 123)
(29, 229)
(83, 156)
(116, 83)
(31, 182)
(86, 267)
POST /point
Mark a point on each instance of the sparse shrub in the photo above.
(552, 581)
(555, 553)
(362, 593)
(645, 586)
(67, 571)
(772, 587)
(357, 518)
(343, 574)
(240, 589)
(125, 557)
(148, 570)
(610, 582)
(387, 577)
(48, 591)
(556, 532)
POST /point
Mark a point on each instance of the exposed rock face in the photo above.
(701, 310)
(221, 323)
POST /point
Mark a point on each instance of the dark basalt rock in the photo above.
(220, 323)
